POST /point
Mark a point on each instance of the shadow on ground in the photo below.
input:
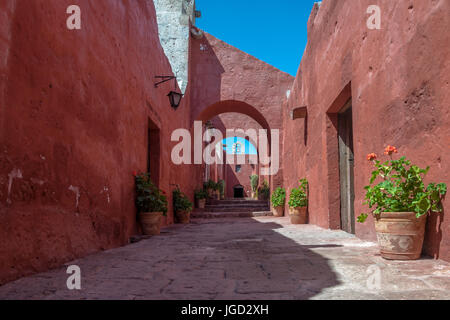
(233, 259)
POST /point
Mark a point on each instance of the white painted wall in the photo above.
(173, 24)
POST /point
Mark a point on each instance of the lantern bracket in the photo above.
(165, 79)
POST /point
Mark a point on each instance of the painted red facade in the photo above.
(78, 111)
(398, 80)
(75, 110)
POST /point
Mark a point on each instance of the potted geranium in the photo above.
(151, 204)
(200, 196)
(278, 201)
(182, 206)
(298, 203)
(400, 203)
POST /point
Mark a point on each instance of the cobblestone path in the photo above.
(243, 258)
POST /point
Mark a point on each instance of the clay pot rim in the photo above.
(183, 212)
(399, 215)
(152, 213)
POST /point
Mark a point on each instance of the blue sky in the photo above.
(247, 146)
(273, 31)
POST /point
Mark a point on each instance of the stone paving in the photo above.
(242, 258)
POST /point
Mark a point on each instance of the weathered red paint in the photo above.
(76, 107)
(74, 110)
(398, 78)
(227, 81)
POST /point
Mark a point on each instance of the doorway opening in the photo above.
(346, 167)
(154, 151)
(239, 192)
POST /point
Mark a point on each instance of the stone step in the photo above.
(233, 202)
(236, 209)
(246, 214)
(247, 203)
(243, 205)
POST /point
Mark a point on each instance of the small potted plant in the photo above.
(298, 203)
(217, 191)
(278, 201)
(264, 191)
(221, 185)
(151, 204)
(200, 196)
(254, 181)
(400, 203)
(182, 206)
(211, 188)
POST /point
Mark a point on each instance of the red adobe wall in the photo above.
(74, 112)
(224, 79)
(220, 72)
(401, 95)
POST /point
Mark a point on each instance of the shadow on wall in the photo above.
(242, 259)
(205, 76)
(205, 82)
(207, 103)
(433, 234)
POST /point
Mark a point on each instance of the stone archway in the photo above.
(233, 106)
(256, 121)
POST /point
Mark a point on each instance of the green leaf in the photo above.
(362, 218)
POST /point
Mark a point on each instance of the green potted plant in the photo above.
(221, 185)
(217, 191)
(298, 203)
(264, 191)
(151, 204)
(400, 203)
(200, 196)
(254, 181)
(182, 206)
(278, 201)
(211, 187)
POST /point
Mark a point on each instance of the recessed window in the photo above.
(238, 168)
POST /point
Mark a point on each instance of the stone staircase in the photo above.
(233, 208)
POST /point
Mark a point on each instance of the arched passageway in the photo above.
(233, 106)
(245, 119)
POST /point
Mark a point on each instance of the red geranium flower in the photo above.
(371, 156)
(390, 150)
(134, 173)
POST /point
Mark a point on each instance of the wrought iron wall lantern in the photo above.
(209, 125)
(174, 96)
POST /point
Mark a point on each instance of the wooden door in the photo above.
(346, 169)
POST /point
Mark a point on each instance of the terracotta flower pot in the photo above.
(278, 211)
(183, 217)
(400, 235)
(201, 203)
(217, 194)
(150, 222)
(298, 215)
